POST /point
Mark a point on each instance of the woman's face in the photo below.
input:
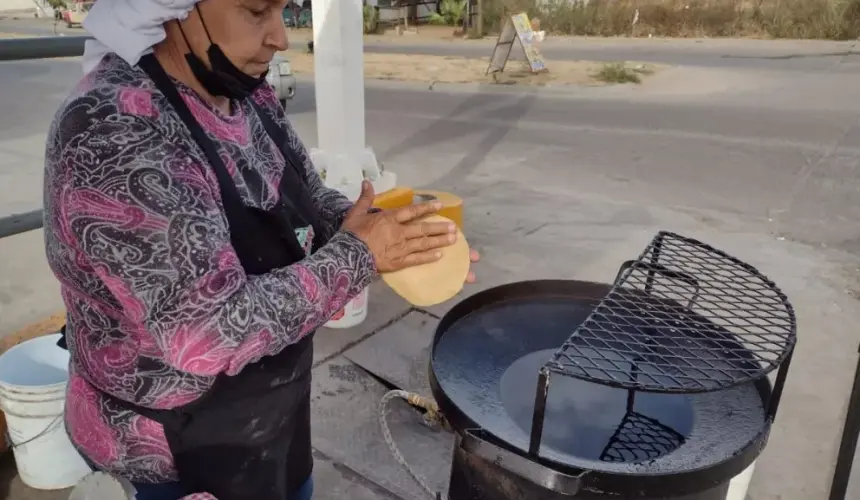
(249, 32)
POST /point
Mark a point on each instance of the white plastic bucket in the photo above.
(33, 379)
(740, 484)
(352, 314)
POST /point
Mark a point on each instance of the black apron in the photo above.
(248, 437)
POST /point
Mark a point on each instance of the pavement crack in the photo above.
(536, 229)
(356, 477)
(389, 386)
(426, 313)
(807, 169)
(844, 53)
(361, 339)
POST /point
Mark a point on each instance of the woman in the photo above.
(198, 251)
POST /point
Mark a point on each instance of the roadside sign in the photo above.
(517, 29)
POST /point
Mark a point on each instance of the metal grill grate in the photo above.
(640, 438)
(683, 317)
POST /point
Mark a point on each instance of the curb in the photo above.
(45, 326)
(484, 88)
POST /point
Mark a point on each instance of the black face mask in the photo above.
(223, 79)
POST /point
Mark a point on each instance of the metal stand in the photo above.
(848, 447)
(666, 326)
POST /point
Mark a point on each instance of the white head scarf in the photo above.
(129, 28)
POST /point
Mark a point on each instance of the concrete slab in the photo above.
(28, 289)
(384, 307)
(400, 353)
(333, 481)
(546, 236)
(11, 487)
(346, 428)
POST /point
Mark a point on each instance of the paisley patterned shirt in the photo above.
(158, 304)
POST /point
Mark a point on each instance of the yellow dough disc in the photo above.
(436, 282)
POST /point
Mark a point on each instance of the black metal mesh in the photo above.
(683, 317)
(640, 438)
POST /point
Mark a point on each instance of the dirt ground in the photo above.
(441, 69)
(423, 33)
(454, 69)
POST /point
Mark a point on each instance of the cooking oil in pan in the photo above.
(596, 422)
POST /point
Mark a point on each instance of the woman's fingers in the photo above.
(426, 243)
(416, 259)
(474, 256)
(421, 229)
(412, 212)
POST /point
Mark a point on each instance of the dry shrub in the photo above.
(830, 19)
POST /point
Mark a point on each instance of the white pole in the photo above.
(339, 75)
(339, 83)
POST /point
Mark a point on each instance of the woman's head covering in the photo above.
(129, 28)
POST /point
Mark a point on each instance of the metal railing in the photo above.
(46, 47)
(20, 49)
(20, 223)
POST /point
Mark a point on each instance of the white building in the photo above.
(387, 13)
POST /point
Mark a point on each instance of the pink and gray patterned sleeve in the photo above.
(149, 223)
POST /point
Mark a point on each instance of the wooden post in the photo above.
(479, 22)
(479, 19)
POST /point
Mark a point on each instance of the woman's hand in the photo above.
(474, 256)
(393, 241)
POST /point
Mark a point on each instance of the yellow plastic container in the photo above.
(394, 198)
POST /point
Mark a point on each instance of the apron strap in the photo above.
(229, 193)
(62, 344)
(294, 175)
(152, 67)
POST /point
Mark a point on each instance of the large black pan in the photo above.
(484, 365)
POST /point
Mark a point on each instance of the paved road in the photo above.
(783, 55)
(798, 138)
(761, 163)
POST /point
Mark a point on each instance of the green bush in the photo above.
(371, 19)
(450, 13)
